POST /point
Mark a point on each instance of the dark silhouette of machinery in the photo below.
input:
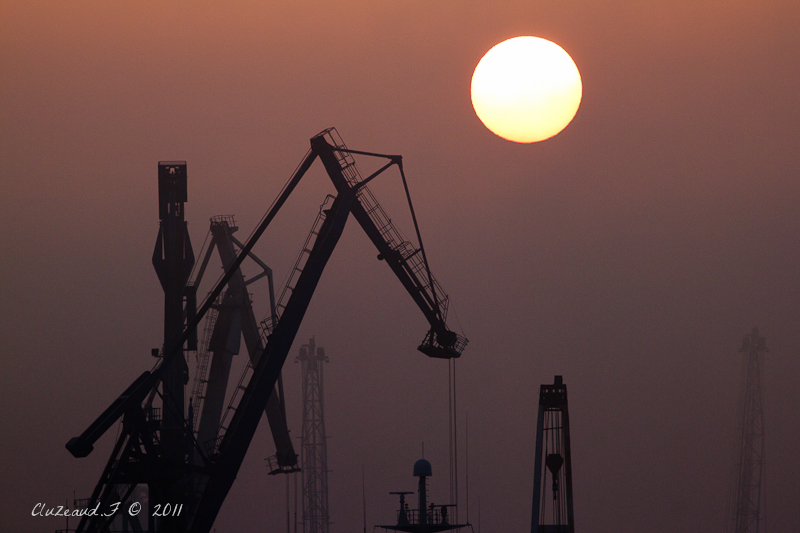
(746, 495)
(227, 321)
(188, 480)
(552, 485)
(426, 518)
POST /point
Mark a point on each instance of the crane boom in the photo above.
(440, 341)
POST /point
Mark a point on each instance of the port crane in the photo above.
(227, 321)
(160, 450)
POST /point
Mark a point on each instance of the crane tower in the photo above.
(747, 511)
(313, 444)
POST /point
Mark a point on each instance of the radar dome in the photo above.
(422, 468)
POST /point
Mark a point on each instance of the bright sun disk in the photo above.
(526, 89)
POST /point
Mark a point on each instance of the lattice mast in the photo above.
(314, 449)
(748, 506)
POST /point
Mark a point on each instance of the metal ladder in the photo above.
(387, 229)
(203, 356)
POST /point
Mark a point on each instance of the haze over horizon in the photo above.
(629, 254)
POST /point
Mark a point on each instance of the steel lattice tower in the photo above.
(747, 510)
(314, 449)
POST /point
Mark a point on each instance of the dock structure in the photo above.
(552, 485)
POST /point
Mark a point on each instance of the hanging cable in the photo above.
(455, 438)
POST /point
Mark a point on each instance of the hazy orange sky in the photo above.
(629, 254)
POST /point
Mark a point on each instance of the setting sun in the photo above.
(526, 89)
